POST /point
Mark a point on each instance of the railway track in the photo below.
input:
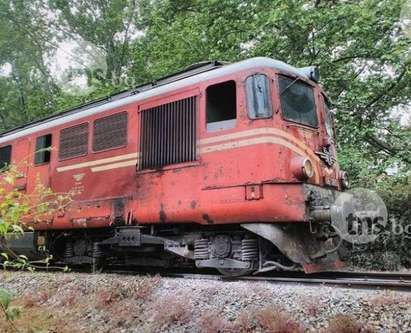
(351, 279)
(365, 280)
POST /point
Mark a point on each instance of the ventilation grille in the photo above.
(110, 132)
(168, 134)
(73, 141)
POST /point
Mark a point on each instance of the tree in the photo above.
(359, 46)
(28, 90)
(108, 24)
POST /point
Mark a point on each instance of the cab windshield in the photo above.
(297, 101)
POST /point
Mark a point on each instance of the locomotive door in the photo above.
(39, 170)
(21, 159)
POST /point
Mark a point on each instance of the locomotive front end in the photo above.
(307, 175)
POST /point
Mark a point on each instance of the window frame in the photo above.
(111, 148)
(314, 89)
(270, 97)
(3, 168)
(327, 106)
(88, 141)
(35, 149)
(229, 124)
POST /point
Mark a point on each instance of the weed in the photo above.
(146, 287)
(106, 298)
(41, 297)
(346, 324)
(69, 298)
(211, 322)
(245, 321)
(276, 321)
(171, 310)
(386, 299)
(312, 306)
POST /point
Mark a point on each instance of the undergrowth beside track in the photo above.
(65, 303)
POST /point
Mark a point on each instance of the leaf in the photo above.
(13, 312)
(5, 298)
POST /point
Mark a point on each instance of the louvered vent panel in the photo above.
(73, 141)
(110, 132)
(168, 134)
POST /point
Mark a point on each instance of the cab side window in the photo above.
(221, 106)
(258, 96)
(43, 153)
(297, 101)
(5, 157)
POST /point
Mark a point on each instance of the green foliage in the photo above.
(107, 24)
(20, 211)
(28, 91)
(5, 298)
(9, 311)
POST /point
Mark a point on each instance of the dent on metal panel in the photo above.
(226, 70)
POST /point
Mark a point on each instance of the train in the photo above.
(226, 166)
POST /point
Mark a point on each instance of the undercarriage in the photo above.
(233, 250)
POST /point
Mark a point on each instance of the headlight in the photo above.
(302, 168)
(308, 169)
(345, 181)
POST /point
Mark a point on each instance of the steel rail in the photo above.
(354, 281)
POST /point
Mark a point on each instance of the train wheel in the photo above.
(235, 272)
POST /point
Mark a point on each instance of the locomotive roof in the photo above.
(191, 75)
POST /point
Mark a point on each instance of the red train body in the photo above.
(197, 164)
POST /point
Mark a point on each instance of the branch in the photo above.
(393, 151)
(355, 56)
(386, 91)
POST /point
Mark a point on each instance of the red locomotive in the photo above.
(226, 166)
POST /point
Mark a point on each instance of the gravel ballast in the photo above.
(74, 302)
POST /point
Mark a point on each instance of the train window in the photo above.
(43, 152)
(73, 141)
(110, 132)
(297, 101)
(5, 157)
(258, 96)
(221, 106)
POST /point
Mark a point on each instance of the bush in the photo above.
(346, 324)
(20, 211)
(9, 312)
(276, 321)
(392, 249)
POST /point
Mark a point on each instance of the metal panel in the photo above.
(168, 134)
(110, 132)
(73, 141)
